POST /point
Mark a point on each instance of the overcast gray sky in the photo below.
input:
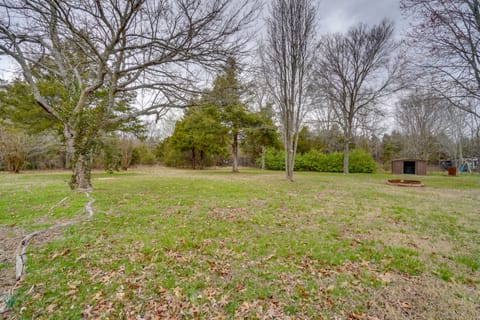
(339, 15)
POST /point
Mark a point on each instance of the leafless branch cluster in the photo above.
(446, 35)
(287, 62)
(120, 46)
(422, 117)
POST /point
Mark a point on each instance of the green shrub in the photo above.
(309, 161)
(274, 159)
(143, 155)
(334, 162)
(173, 158)
(360, 161)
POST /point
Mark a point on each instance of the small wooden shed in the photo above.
(409, 166)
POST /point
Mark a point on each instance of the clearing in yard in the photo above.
(215, 245)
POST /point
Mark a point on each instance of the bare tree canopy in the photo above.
(355, 71)
(287, 61)
(421, 117)
(85, 60)
(447, 35)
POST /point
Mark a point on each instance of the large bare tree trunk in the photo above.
(290, 163)
(69, 148)
(235, 152)
(346, 151)
(289, 155)
(346, 145)
(79, 159)
(82, 168)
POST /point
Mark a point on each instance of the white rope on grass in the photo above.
(21, 252)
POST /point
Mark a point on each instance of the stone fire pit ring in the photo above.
(405, 183)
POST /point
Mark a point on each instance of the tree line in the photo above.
(90, 70)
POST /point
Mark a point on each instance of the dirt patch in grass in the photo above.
(424, 298)
(424, 244)
(229, 214)
(259, 204)
(179, 210)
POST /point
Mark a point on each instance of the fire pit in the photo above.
(405, 183)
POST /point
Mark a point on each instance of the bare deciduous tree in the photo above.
(86, 61)
(447, 36)
(422, 117)
(460, 134)
(355, 71)
(287, 58)
(127, 144)
(13, 149)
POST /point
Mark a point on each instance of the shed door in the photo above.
(409, 167)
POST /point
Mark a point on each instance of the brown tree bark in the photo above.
(235, 152)
(69, 148)
(202, 163)
(81, 177)
(289, 155)
(193, 158)
(346, 152)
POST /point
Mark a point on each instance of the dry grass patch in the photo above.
(424, 298)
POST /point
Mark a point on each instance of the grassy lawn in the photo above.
(215, 245)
